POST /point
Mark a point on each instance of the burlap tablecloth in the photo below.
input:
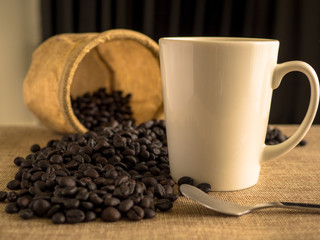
(293, 177)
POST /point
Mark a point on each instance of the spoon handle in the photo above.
(306, 206)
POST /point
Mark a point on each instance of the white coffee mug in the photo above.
(217, 96)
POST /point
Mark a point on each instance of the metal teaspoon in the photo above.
(234, 209)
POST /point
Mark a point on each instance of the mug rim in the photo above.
(219, 39)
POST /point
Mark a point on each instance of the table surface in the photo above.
(293, 177)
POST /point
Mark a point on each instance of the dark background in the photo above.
(295, 23)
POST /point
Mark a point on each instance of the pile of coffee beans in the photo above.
(275, 136)
(112, 173)
(101, 109)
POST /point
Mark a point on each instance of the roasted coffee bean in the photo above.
(149, 193)
(168, 189)
(110, 214)
(91, 186)
(75, 216)
(67, 182)
(100, 181)
(12, 207)
(164, 204)
(140, 187)
(26, 213)
(136, 213)
(302, 143)
(54, 209)
(120, 180)
(275, 136)
(3, 196)
(14, 185)
(154, 171)
(186, 180)
(149, 181)
(36, 176)
(27, 163)
(23, 192)
(56, 159)
(44, 164)
(82, 196)
(172, 197)
(159, 191)
(95, 199)
(206, 187)
(40, 207)
(35, 148)
(40, 185)
(163, 166)
(119, 142)
(25, 184)
(146, 202)
(12, 196)
(147, 124)
(123, 191)
(141, 167)
(91, 173)
(90, 216)
(69, 191)
(71, 165)
(149, 213)
(136, 198)
(71, 203)
(78, 159)
(60, 173)
(87, 205)
(50, 184)
(111, 202)
(18, 161)
(58, 218)
(50, 169)
(34, 191)
(97, 210)
(129, 153)
(18, 175)
(125, 205)
(24, 201)
(102, 160)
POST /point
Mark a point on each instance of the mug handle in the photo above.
(273, 151)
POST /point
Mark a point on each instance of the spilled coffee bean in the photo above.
(275, 136)
(3, 196)
(12, 207)
(205, 187)
(26, 213)
(164, 205)
(110, 214)
(75, 216)
(186, 180)
(58, 218)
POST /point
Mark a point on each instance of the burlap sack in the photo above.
(73, 64)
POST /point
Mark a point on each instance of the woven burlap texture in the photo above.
(293, 177)
(72, 64)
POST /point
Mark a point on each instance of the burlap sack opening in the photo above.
(73, 64)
